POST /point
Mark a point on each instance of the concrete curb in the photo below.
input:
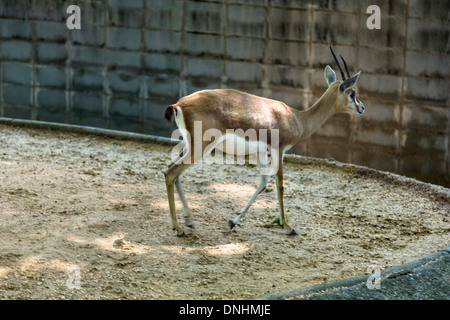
(89, 130)
(359, 283)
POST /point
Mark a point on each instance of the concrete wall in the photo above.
(133, 58)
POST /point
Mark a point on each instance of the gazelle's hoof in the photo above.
(188, 221)
(292, 233)
(231, 224)
(190, 226)
(180, 233)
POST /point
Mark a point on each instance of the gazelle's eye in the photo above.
(352, 95)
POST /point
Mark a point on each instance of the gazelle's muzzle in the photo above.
(360, 107)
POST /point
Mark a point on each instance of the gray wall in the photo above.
(133, 58)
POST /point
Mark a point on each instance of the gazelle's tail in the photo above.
(168, 114)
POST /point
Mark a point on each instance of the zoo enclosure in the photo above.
(130, 59)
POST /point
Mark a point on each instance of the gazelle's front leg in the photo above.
(262, 185)
(280, 191)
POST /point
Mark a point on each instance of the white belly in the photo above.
(233, 144)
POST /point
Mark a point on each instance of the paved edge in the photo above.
(393, 272)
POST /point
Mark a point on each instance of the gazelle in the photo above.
(225, 109)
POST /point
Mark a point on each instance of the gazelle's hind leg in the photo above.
(280, 190)
(186, 210)
(172, 179)
(259, 189)
(172, 175)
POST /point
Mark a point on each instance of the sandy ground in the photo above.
(86, 217)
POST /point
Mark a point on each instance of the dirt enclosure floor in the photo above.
(86, 217)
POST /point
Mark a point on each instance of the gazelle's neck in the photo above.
(313, 118)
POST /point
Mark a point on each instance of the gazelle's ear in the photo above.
(350, 82)
(330, 75)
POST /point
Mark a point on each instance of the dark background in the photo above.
(133, 58)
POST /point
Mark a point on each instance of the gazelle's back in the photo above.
(232, 109)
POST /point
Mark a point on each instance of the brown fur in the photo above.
(231, 109)
(224, 109)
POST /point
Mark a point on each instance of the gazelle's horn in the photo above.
(339, 65)
(345, 65)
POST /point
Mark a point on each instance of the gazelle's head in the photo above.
(346, 95)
